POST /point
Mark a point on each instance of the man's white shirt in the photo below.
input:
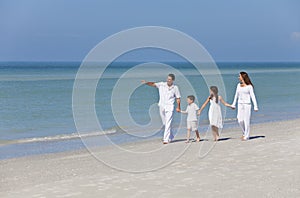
(167, 95)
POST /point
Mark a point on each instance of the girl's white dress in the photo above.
(215, 114)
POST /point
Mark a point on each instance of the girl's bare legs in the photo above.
(198, 136)
(188, 134)
(215, 131)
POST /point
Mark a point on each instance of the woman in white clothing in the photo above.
(243, 96)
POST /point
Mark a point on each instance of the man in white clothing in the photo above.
(168, 93)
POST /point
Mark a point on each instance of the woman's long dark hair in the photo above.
(215, 91)
(246, 78)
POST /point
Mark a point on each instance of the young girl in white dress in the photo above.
(214, 113)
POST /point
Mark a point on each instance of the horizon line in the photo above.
(168, 61)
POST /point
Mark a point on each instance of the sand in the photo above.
(265, 166)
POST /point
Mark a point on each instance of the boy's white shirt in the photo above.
(191, 110)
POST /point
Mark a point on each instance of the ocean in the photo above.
(36, 101)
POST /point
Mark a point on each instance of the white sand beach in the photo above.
(265, 166)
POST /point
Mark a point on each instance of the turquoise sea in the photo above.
(36, 101)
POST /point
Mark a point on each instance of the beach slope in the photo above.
(265, 166)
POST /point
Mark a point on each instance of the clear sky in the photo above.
(231, 30)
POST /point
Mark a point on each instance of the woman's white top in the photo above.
(244, 95)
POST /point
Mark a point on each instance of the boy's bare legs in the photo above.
(215, 131)
(198, 136)
(188, 134)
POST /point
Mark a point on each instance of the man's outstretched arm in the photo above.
(152, 84)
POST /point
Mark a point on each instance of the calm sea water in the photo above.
(36, 100)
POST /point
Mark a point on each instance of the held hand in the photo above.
(199, 113)
(178, 109)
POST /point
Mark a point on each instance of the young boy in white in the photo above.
(192, 121)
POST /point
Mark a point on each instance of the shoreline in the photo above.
(265, 166)
(75, 143)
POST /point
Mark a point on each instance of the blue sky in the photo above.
(231, 30)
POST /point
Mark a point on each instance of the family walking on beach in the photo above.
(169, 93)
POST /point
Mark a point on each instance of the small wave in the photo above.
(230, 119)
(33, 78)
(60, 137)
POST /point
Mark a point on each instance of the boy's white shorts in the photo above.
(193, 125)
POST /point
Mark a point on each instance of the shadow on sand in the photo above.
(220, 140)
(224, 139)
(256, 137)
(178, 140)
(191, 140)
